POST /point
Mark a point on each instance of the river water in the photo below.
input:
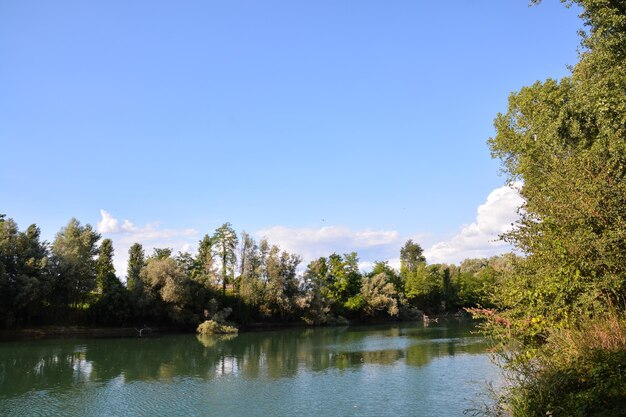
(391, 370)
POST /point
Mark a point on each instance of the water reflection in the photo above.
(59, 365)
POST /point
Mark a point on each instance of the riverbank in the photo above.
(62, 332)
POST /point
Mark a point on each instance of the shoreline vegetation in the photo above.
(70, 286)
(559, 317)
(53, 332)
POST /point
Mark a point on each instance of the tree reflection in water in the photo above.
(62, 364)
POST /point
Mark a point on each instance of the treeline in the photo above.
(73, 281)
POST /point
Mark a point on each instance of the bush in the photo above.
(213, 327)
(579, 372)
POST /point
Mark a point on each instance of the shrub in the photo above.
(213, 327)
(579, 372)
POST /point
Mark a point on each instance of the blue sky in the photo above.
(323, 125)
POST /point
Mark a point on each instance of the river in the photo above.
(388, 370)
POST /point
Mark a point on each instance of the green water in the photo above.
(353, 371)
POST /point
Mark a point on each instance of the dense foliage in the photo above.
(73, 281)
(565, 141)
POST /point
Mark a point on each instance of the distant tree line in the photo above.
(73, 281)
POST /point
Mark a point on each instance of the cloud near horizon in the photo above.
(107, 223)
(480, 239)
(312, 243)
(292, 237)
(150, 236)
(476, 240)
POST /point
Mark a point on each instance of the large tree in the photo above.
(114, 304)
(318, 305)
(282, 287)
(250, 284)
(225, 239)
(343, 278)
(136, 262)
(379, 295)
(104, 265)
(411, 257)
(566, 141)
(74, 252)
(169, 290)
(24, 273)
(205, 270)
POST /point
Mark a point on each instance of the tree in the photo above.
(5, 299)
(170, 290)
(382, 267)
(247, 252)
(114, 305)
(379, 295)
(205, 271)
(24, 273)
(273, 289)
(282, 287)
(186, 262)
(74, 250)
(343, 280)
(411, 255)
(565, 141)
(225, 239)
(104, 265)
(250, 283)
(316, 304)
(162, 253)
(288, 266)
(422, 287)
(136, 262)
(475, 279)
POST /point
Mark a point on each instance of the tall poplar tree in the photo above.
(104, 265)
(205, 269)
(136, 262)
(225, 239)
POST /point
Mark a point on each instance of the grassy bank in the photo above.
(579, 372)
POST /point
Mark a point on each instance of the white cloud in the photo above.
(311, 243)
(188, 247)
(129, 227)
(480, 239)
(374, 238)
(108, 223)
(367, 266)
(150, 236)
